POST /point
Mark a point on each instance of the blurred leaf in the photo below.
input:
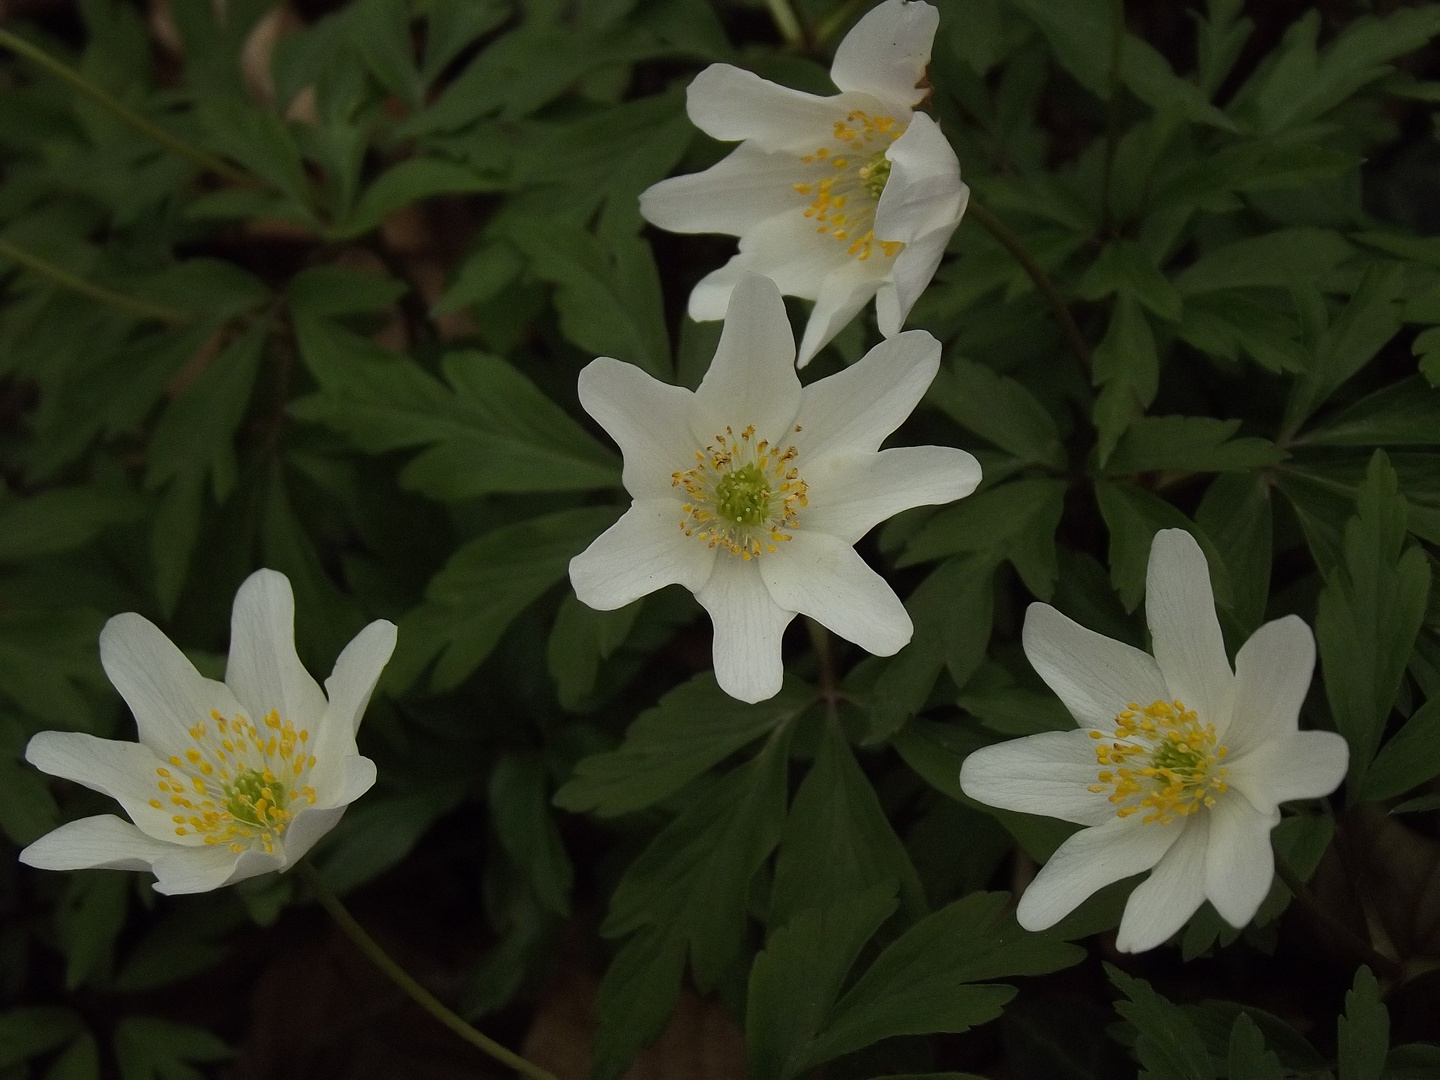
(636, 998)
(520, 811)
(480, 278)
(1364, 1030)
(80, 1061)
(1409, 758)
(154, 1048)
(381, 831)
(61, 519)
(1248, 1058)
(29, 1032)
(1406, 413)
(580, 639)
(88, 920)
(403, 185)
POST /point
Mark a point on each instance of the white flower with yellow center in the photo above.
(1179, 765)
(229, 779)
(837, 199)
(751, 491)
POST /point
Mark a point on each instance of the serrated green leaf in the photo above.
(1236, 513)
(1127, 368)
(520, 811)
(1230, 323)
(1271, 260)
(1409, 758)
(1133, 516)
(1364, 1030)
(1124, 267)
(1248, 1057)
(1189, 444)
(636, 998)
(999, 410)
(580, 639)
(1169, 1048)
(1406, 413)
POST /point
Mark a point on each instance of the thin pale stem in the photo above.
(1011, 243)
(1112, 125)
(1340, 933)
(787, 22)
(122, 112)
(406, 982)
(67, 280)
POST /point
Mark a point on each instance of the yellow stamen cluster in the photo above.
(743, 495)
(236, 785)
(1160, 760)
(850, 176)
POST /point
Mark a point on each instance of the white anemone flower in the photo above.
(751, 491)
(229, 779)
(1179, 764)
(837, 199)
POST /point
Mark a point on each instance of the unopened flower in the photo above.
(1179, 764)
(837, 199)
(229, 779)
(751, 491)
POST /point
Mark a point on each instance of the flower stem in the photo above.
(1347, 938)
(1042, 281)
(787, 22)
(406, 982)
(75, 284)
(123, 112)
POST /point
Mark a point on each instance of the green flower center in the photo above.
(256, 798)
(743, 496)
(874, 173)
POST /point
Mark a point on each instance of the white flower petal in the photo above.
(197, 870)
(1239, 864)
(730, 104)
(786, 249)
(1087, 862)
(647, 420)
(163, 689)
(842, 294)
(643, 551)
(855, 409)
(125, 771)
(1184, 631)
(349, 687)
(887, 51)
(263, 669)
(914, 267)
(849, 496)
(923, 193)
(104, 842)
(1048, 774)
(1096, 677)
(1302, 765)
(748, 628)
(1272, 677)
(752, 379)
(821, 576)
(1163, 902)
(732, 196)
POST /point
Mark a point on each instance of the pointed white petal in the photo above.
(914, 266)
(842, 295)
(1184, 631)
(923, 193)
(854, 410)
(1048, 774)
(104, 842)
(730, 104)
(197, 870)
(752, 379)
(163, 689)
(1096, 677)
(1302, 765)
(349, 688)
(1239, 864)
(786, 249)
(263, 669)
(821, 576)
(125, 771)
(645, 550)
(1272, 677)
(1087, 862)
(748, 628)
(886, 52)
(648, 420)
(849, 496)
(1163, 903)
(732, 196)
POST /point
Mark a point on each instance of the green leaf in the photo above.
(154, 1048)
(520, 812)
(838, 841)
(1253, 167)
(485, 585)
(88, 920)
(380, 29)
(1127, 368)
(29, 1032)
(1272, 260)
(27, 810)
(489, 430)
(694, 878)
(1189, 444)
(261, 141)
(1124, 267)
(481, 277)
(999, 410)
(339, 290)
(1409, 758)
(47, 658)
(1169, 1048)
(1364, 1030)
(1413, 1061)
(80, 1061)
(693, 727)
(1248, 1058)
(636, 998)
(1230, 323)
(798, 976)
(382, 831)
(607, 292)
(61, 519)
(1133, 516)
(1369, 614)
(1406, 413)
(580, 639)
(926, 981)
(1237, 515)
(1418, 805)
(411, 181)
